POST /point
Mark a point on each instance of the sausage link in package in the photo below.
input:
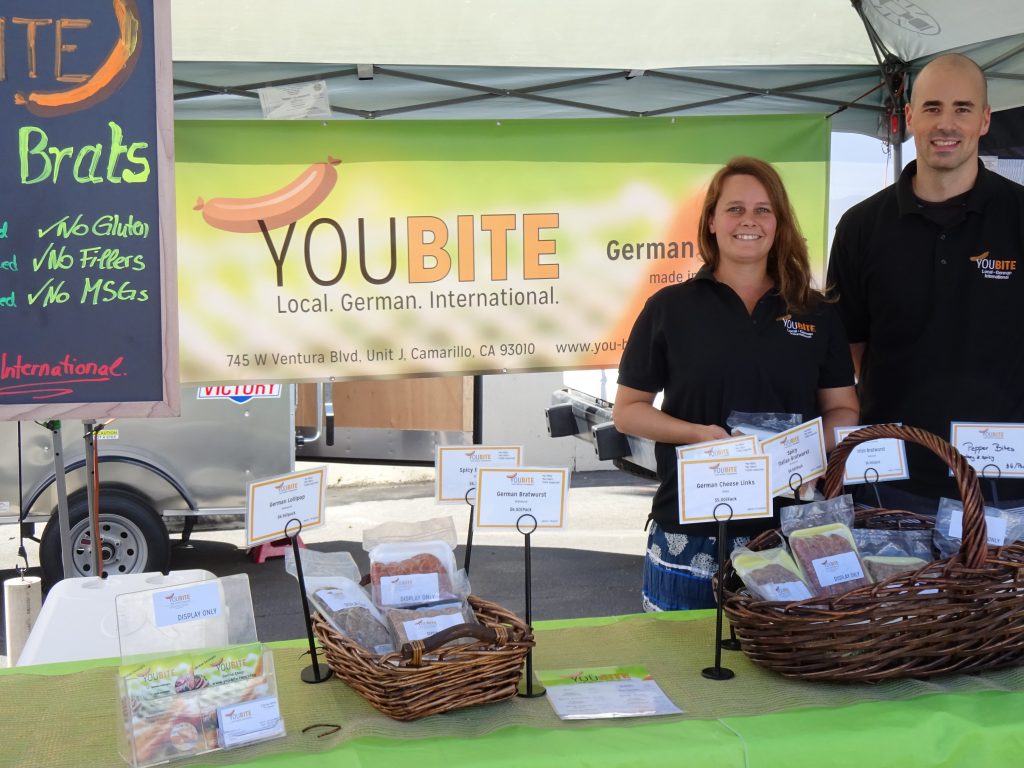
(348, 609)
(1002, 526)
(770, 574)
(823, 545)
(423, 623)
(887, 553)
(828, 559)
(408, 570)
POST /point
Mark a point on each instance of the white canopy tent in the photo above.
(464, 59)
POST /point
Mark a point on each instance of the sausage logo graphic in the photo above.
(104, 82)
(277, 209)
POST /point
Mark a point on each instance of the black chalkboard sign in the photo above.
(86, 212)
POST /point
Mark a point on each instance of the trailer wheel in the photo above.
(133, 538)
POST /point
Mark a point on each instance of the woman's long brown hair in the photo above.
(788, 263)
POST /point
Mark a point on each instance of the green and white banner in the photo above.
(311, 250)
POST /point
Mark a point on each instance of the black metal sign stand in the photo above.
(718, 672)
(527, 524)
(469, 534)
(313, 673)
(873, 485)
(993, 490)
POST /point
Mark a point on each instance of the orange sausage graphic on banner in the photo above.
(277, 209)
(104, 82)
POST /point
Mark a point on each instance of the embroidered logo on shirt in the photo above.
(796, 328)
(994, 269)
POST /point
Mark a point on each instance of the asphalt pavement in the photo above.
(591, 568)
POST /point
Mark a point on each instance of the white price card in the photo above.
(505, 495)
(994, 450)
(741, 483)
(874, 461)
(189, 602)
(797, 453)
(272, 503)
(456, 468)
(730, 448)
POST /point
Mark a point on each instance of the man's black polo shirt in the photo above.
(697, 343)
(941, 308)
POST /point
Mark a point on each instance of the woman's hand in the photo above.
(634, 414)
(708, 432)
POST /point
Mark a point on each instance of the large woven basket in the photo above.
(961, 614)
(429, 677)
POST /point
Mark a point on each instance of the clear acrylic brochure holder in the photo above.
(193, 676)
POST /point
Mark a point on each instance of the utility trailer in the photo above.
(155, 475)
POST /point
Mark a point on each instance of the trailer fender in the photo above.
(117, 459)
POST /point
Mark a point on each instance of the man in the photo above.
(930, 279)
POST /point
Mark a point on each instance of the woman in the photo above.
(725, 341)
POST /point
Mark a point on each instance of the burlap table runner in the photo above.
(72, 720)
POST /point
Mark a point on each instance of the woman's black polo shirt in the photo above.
(697, 343)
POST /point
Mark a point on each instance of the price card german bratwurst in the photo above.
(504, 496)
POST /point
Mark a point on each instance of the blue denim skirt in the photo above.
(678, 569)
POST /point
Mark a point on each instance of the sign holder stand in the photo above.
(873, 485)
(469, 534)
(527, 688)
(993, 490)
(718, 672)
(312, 673)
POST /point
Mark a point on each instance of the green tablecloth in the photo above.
(973, 721)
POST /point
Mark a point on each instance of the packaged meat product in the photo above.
(349, 611)
(797, 516)
(770, 574)
(1002, 526)
(916, 543)
(828, 559)
(881, 567)
(409, 625)
(409, 574)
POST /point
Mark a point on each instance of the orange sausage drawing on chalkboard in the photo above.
(104, 82)
(277, 209)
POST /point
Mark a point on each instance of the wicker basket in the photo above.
(406, 685)
(961, 614)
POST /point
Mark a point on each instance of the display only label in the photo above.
(186, 604)
(789, 591)
(995, 527)
(421, 629)
(457, 468)
(837, 569)
(994, 450)
(410, 589)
